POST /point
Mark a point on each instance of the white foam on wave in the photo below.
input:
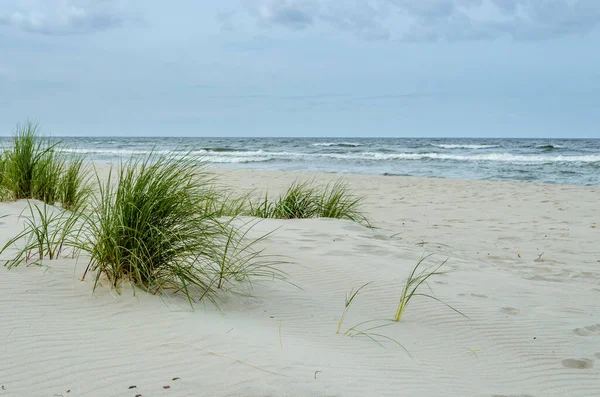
(206, 155)
(342, 144)
(262, 156)
(452, 146)
(498, 157)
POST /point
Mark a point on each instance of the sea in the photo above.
(561, 161)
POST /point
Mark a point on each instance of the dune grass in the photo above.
(25, 160)
(73, 186)
(47, 232)
(34, 168)
(350, 296)
(47, 177)
(304, 199)
(226, 203)
(5, 193)
(152, 224)
(299, 201)
(413, 285)
(366, 328)
(159, 222)
(336, 201)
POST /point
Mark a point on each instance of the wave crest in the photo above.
(338, 144)
(461, 146)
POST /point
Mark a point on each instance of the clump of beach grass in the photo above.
(159, 222)
(147, 226)
(337, 201)
(26, 160)
(299, 201)
(226, 203)
(303, 200)
(5, 193)
(47, 178)
(33, 167)
(413, 285)
(73, 186)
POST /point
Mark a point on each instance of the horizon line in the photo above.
(303, 137)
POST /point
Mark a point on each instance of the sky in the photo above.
(331, 68)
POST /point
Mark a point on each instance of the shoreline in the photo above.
(387, 175)
(224, 169)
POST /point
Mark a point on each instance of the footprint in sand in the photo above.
(511, 311)
(590, 330)
(478, 296)
(513, 395)
(573, 363)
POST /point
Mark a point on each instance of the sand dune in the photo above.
(524, 267)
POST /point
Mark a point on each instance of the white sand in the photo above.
(533, 328)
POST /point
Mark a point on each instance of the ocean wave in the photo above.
(221, 149)
(492, 157)
(453, 146)
(338, 144)
(142, 152)
(208, 155)
(548, 148)
(240, 156)
(236, 160)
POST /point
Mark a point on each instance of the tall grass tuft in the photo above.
(47, 177)
(25, 159)
(305, 200)
(73, 186)
(336, 201)
(5, 192)
(147, 225)
(34, 168)
(299, 201)
(226, 203)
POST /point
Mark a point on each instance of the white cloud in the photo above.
(294, 14)
(60, 17)
(430, 20)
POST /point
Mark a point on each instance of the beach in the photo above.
(523, 270)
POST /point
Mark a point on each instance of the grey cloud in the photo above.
(61, 17)
(293, 14)
(433, 20)
(226, 20)
(358, 16)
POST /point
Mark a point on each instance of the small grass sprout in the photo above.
(240, 260)
(413, 284)
(350, 296)
(47, 231)
(367, 331)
